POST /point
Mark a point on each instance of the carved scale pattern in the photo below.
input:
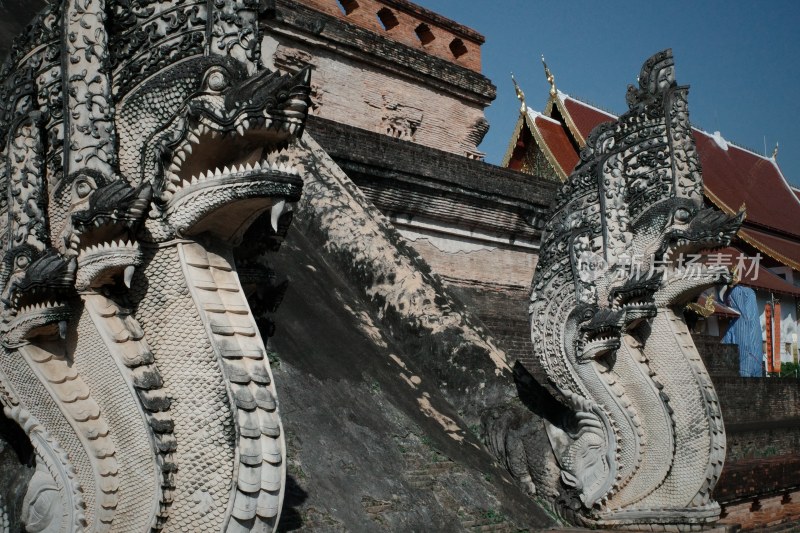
(200, 407)
(636, 193)
(75, 400)
(159, 391)
(119, 329)
(241, 353)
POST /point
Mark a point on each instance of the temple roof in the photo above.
(549, 135)
(734, 177)
(753, 274)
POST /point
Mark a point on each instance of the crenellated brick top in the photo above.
(411, 25)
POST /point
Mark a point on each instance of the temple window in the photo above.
(348, 6)
(387, 18)
(424, 34)
(458, 48)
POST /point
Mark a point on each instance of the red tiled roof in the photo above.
(557, 142)
(784, 250)
(733, 177)
(751, 273)
(584, 116)
(736, 176)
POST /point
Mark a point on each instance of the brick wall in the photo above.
(411, 25)
(488, 267)
(720, 359)
(745, 479)
(394, 159)
(770, 440)
(370, 81)
(775, 513)
(753, 403)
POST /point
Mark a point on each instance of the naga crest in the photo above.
(140, 140)
(644, 441)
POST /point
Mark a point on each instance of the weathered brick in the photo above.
(375, 81)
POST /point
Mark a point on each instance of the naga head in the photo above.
(585, 450)
(213, 163)
(598, 331)
(36, 296)
(96, 219)
(679, 230)
(634, 298)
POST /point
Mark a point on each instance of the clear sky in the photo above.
(741, 59)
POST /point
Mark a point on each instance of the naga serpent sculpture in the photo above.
(643, 440)
(140, 141)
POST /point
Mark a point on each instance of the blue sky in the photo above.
(741, 59)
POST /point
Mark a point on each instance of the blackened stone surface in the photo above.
(16, 470)
(14, 16)
(366, 431)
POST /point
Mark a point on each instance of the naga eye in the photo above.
(83, 188)
(682, 215)
(22, 261)
(216, 80)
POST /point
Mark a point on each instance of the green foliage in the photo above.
(790, 370)
(496, 517)
(274, 360)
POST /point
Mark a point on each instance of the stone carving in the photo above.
(643, 440)
(140, 141)
(398, 120)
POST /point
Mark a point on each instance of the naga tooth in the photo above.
(194, 180)
(214, 134)
(217, 173)
(174, 167)
(248, 167)
(226, 170)
(277, 211)
(128, 275)
(192, 138)
(188, 148)
(62, 329)
(202, 129)
(246, 124)
(240, 130)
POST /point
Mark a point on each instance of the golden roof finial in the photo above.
(705, 310)
(523, 108)
(775, 151)
(550, 78)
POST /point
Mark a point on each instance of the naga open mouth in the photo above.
(599, 335)
(635, 299)
(37, 299)
(598, 343)
(99, 264)
(229, 166)
(708, 229)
